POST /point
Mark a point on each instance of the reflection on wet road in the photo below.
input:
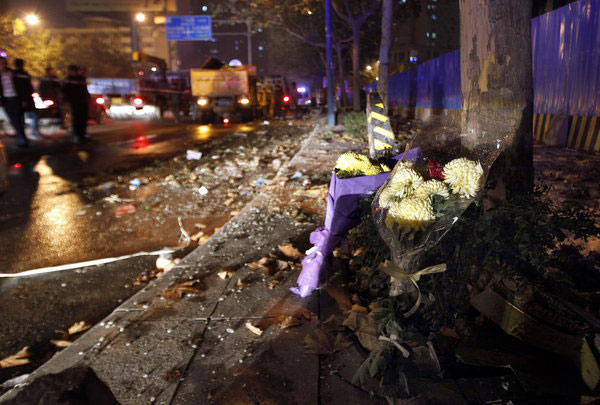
(42, 221)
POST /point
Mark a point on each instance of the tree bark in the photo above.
(384, 49)
(497, 91)
(341, 74)
(356, 66)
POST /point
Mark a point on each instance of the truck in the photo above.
(223, 93)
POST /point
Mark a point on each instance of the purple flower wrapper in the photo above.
(342, 214)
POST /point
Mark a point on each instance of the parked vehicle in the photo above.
(223, 93)
(121, 98)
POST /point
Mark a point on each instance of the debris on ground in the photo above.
(18, 359)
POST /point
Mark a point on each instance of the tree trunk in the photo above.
(341, 73)
(356, 66)
(384, 49)
(496, 85)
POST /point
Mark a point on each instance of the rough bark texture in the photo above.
(356, 66)
(387, 13)
(497, 92)
(339, 49)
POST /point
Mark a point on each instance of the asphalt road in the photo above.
(40, 215)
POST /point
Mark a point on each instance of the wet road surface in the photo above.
(41, 215)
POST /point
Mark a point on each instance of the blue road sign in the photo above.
(189, 28)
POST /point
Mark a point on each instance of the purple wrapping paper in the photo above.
(342, 214)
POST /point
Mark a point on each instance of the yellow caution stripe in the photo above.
(377, 116)
(379, 145)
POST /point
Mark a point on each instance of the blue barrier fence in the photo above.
(566, 67)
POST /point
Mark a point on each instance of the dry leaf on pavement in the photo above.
(177, 291)
(17, 359)
(78, 327)
(225, 274)
(272, 284)
(322, 342)
(288, 321)
(365, 328)
(254, 329)
(61, 343)
(290, 251)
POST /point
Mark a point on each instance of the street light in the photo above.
(140, 17)
(32, 19)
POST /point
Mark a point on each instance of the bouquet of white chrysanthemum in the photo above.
(418, 204)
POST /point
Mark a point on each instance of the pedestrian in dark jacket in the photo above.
(25, 90)
(76, 94)
(11, 101)
(50, 89)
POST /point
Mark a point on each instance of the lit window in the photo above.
(434, 35)
(427, 35)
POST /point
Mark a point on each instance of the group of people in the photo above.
(16, 95)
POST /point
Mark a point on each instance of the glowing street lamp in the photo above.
(32, 19)
(140, 17)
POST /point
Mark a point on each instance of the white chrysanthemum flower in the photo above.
(355, 162)
(386, 197)
(411, 214)
(464, 176)
(404, 182)
(430, 188)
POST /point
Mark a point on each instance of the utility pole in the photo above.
(329, 63)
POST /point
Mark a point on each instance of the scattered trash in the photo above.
(290, 251)
(135, 183)
(276, 163)
(193, 155)
(253, 329)
(125, 209)
(230, 330)
(296, 176)
(18, 359)
(81, 213)
(215, 157)
(225, 274)
(166, 263)
(259, 182)
(203, 190)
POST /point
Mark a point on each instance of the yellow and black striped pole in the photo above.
(382, 140)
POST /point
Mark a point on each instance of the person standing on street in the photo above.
(25, 94)
(12, 102)
(50, 90)
(76, 95)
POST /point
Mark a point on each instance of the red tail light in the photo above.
(138, 101)
(225, 121)
(100, 100)
(286, 99)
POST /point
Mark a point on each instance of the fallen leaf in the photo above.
(78, 327)
(253, 329)
(272, 284)
(288, 321)
(61, 343)
(290, 251)
(359, 252)
(282, 265)
(234, 213)
(322, 342)
(365, 328)
(177, 291)
(228, 202)
(358, 308)
(17, 359)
